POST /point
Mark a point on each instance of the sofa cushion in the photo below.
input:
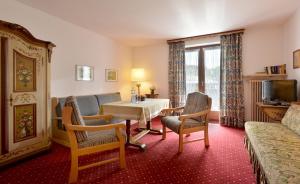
(59, 107)
(291, 118)
(96, 122)
(108, 97)
(76, 118)
(88, 105)
(277, 150)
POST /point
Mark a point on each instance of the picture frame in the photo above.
(111, 75)
(296, 59)
(84, 73)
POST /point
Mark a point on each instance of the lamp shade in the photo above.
(137, 74)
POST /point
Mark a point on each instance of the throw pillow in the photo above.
(291, 118)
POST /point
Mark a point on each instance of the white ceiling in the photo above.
(140, 22)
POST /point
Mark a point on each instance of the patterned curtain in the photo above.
(232, 110)
(177, 74)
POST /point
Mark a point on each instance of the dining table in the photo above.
(142, 112)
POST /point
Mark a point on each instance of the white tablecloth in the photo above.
(142, 111)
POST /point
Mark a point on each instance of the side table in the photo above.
(152, 95)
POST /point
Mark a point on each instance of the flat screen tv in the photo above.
(279, 90)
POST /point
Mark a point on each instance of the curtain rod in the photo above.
(206, 35)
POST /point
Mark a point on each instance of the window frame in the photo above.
(201, 67)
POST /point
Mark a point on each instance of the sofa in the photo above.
(89, 105)
(274, 148)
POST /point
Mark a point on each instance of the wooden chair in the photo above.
(102, 138)
(193, 119)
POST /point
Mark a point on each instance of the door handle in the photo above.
(10, 100)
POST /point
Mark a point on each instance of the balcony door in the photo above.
(203, 73)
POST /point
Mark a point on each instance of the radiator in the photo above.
(256, 96)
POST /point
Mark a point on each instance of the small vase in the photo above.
(152, 91)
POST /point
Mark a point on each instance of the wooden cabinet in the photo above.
(275, 112)
(25, 93)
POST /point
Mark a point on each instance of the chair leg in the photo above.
(164, 135)
(74, 168)
(206, 136)
(180, 148)
(122, 156)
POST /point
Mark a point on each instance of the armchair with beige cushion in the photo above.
(91, 139)
(194, 118)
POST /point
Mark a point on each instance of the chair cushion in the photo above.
(100, 137)
(95, 122)
(88, 105)
(173, 123)
(196, 102)
(291, 118)
(76, 118)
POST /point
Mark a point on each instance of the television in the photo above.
(279, 91)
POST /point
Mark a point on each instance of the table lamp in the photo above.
(138, 75)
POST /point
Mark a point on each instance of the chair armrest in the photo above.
(169, 110)
(95, 128)
(105, 117)
(188, 116)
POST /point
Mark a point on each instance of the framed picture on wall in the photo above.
(84, 73)
(111, 75)
(296, 58)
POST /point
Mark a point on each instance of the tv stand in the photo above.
(277, 102)
(274, 112)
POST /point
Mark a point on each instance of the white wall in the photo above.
(292, 43)
(154, 59)
(262, 46)
(74, 45)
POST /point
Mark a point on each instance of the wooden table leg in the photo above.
(133, 141)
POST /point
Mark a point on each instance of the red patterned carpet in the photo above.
(225, 161)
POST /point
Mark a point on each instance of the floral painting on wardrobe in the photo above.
(24, 122)
(24, 73)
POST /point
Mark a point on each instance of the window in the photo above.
(203, 72)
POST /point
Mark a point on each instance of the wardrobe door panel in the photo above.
(27, 93)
